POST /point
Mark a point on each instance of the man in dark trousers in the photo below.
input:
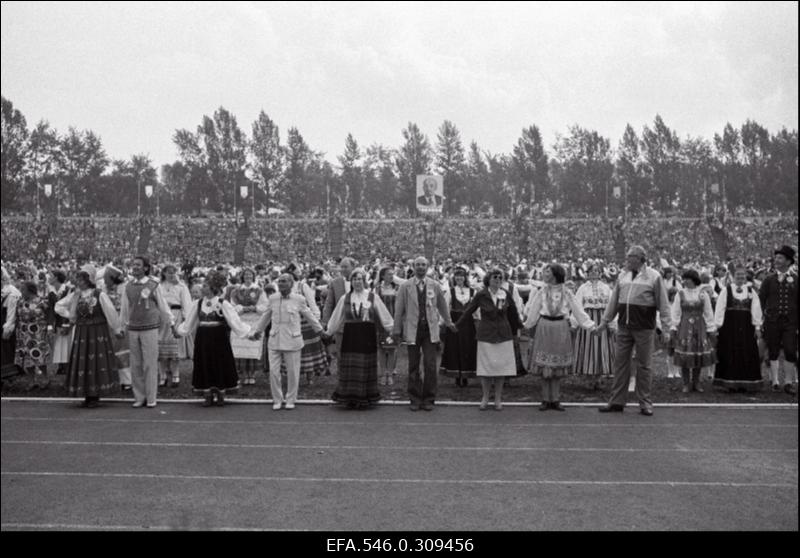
(419, 306)
(778, 296)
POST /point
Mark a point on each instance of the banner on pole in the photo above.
(617, 192)
(243, 192)
(715, 188)
(48, 190)
(148, 191)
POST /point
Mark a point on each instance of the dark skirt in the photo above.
(214, 366)
(738, 365)
(459, 355)
(693, 347)
(93, 365)
(358, 365)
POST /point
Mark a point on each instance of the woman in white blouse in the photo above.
(552, 354)
(360, 311)
(693, 330)
(170, 349)
(738, 319)
(93, 368)
(211, 319)
(594, 354)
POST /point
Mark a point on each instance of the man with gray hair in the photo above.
(639, 293)
(419, 307)
(337, 288)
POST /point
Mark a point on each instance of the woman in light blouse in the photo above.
(459, 354)
(552, 354)
(250, 302)
(738, 319)
(693, 330)
(594, 354)
(211, 320)
(170, 349)
(361, 312)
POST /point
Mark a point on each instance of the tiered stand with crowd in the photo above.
(116, 304)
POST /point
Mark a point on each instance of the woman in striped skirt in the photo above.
(362, 313)
(386, 290)
(313, 361)
(172, 350)
(594, 354)
(250, 303)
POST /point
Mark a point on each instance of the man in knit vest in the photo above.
(143, 310)
(639, 293)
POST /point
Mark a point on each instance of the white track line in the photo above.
(398, 481)
(400, 402)
(384, 448)
(372, 424)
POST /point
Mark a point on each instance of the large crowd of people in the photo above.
(506, 313)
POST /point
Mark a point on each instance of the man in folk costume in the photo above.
(143, 311)
(778, 295)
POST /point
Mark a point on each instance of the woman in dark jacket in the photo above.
(495, 333)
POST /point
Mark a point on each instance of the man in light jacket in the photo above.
(419, 308)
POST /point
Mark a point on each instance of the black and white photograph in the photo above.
(399, 276)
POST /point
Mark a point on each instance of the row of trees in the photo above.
(582, 172)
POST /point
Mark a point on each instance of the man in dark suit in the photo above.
(429, 198)
(419, 306)
(336, 290)
(778, 294)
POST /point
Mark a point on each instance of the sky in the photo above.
(136, 72)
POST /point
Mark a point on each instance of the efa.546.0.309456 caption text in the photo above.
(399, 545)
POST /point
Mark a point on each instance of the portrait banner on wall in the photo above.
(430, 193)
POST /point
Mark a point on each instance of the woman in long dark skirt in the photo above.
(361, 312)
(211, 320)
(460, 352)
(93, 369)
(738, 319)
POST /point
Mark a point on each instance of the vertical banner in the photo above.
(430, 193)
(243, 192)
(48, 190)
(148, 191)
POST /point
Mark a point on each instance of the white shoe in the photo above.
(151, 405)
(276, 406)
(290, 406)
(138, 404)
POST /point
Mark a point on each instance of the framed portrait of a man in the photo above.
(430, 193)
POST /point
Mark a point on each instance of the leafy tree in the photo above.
(351, 176)
(266, 158)
(12, 158)
(530, 177)
(451, 164)
(661, 156)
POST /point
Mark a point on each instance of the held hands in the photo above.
(254, 336)
(452, 327)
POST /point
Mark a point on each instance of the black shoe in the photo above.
(647, 412)
(208, 401)
(789, 388)
(427, 406)
(544, 406)
(220, 399)
(556, 406)
(612, 408)
(126, 387)
(414, 407)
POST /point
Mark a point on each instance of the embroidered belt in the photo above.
(552, 318)
(209, 324)
(175, 307)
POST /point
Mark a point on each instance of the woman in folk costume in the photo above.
(62, 340)
(495, 334)
(8, 319)
(171, 349)
(594, 354)
(386, 291)
(460, 351)
(313, 361)
(363, 314)
(250, 302)
(738, 320)
(93, 365)
(114, 286)
(552, 355)
(34, 327)
(212, 319)
(693, 330)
